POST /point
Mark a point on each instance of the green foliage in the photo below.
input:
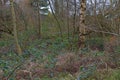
(114, 76)
(99, 53)
(116, 55)
(96, 43)
(9, 62)
(61, 76)
(117, 50)
(44, 51)
(86, 72)
(110, 75)
(51, 61)
(2, 43)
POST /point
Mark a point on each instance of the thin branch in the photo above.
(55, 18)
(106, 32)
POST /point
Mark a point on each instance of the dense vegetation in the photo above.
(41, 44)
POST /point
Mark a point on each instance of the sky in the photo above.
(88, 1)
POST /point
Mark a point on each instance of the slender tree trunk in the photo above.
(68, 27)
(59, 25)
(82, 24)
(62, 9)
(18, 48)
(39, 21)
(56, 5)
(74, 18)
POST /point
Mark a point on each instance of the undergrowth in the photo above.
(45, 51)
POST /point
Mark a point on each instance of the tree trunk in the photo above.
(82, 24)
(74, 18)
(68, 27)
(39, 21)
(56, 5)
(18, 48)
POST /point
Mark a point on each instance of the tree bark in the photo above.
(56, 5)
(68, 26)
(18, 48)
(82, 24)
(39, 21)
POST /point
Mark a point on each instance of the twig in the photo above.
(106, 32)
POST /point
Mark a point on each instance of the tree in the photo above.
(39, 20)
(41, 6)
(56, 6)
(82, 24)
(18, 48)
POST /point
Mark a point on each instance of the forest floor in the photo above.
(51, 59)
